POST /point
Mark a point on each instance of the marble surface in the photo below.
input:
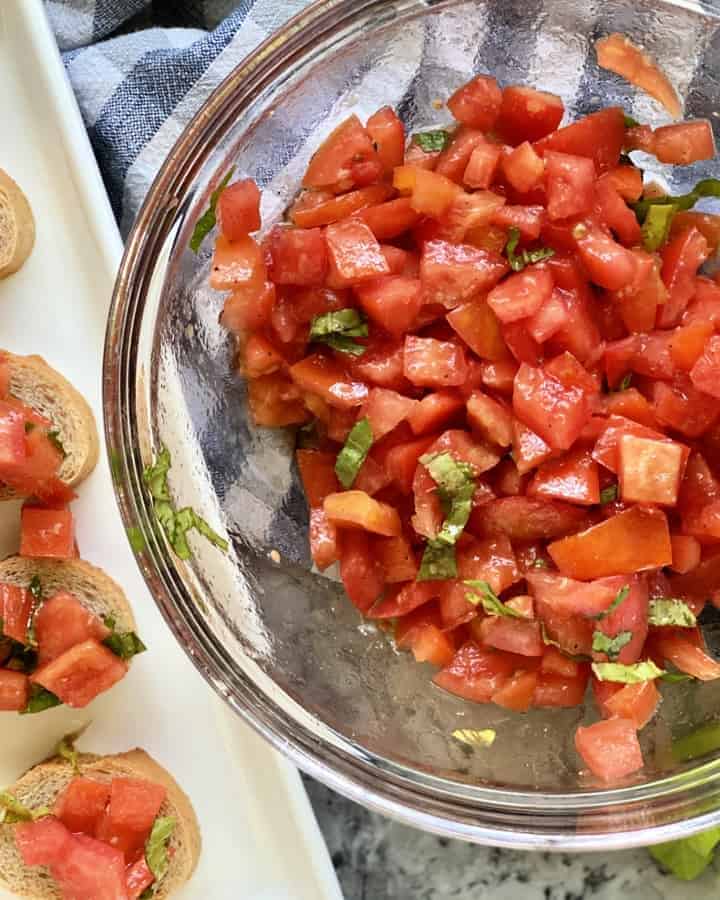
(378, 859)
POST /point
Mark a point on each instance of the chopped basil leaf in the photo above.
(12, 810)
(66, 750)
(631, 674)
(669, 611)
(432, 141)
(630, 122)
(207, 220)
(688, 857)
(656, 227)
(29, 426)
(608, 494)
(156, 846)
(490, 601)
(354, 452)
(673, 677)
(438, 562)
(482, 738)
(40, 700)
(124, 645)
(708, 187)
(611, 646)
(54, 438)
(540, 564)
(155, 476)
(620, 597)
(700, 742)
(176, 523)
(338, 328)
(518, 261)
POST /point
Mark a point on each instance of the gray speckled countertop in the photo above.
(378, 859)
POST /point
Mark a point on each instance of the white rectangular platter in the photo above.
(260, 838)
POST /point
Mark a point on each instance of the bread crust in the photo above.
(49, 393)
(17, 226)
(44, 782)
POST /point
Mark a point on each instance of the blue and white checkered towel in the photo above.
(137, 90)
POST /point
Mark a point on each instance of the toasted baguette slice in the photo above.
(39, 386)
(92, 587)
(43, 783)
(17, 226)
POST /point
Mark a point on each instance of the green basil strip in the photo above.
(490, 601)
(688, 857)
(656, 227)
(631, 674)
(438, 562)
(708, 187)
(354, 453)
(207, 220)
(620, 597)
(608, 494)
(697, 743)
(610, 646)
(669, 611)
(156, 846)
(432, 141)
(13, 810)
(518, 261)
(40, 700)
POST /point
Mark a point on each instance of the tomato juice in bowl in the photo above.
(282, 644)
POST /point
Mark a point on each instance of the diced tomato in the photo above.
(610, 748)
(599, 136)
(499, 376)
(355, 509)
(409, 597)
(617, 53)
(704, 374)
(14, 691)
(684, 143)
(580, 335)
(385, 409)
(82, 804)
(431, 194)
(549, 318)
(393, 301)
(557, 595)
(371, 478)
(354, 253)
(381, 364)
(90, 869)
(360, 570)
(475, 673)
(79, 674)
(630, 404)
(138, 877)
(387, 134)
(686, 553)
(397, 559)
(453, 273)
(317, 470)
(636, 702)
(432, 363)
(348, 146)
(491, 560)
(276, 402)
(248, 307)
(529, 449)
(613, 212)
(686, 655)
(490, 419)
(482, 166)
(466, 214)
(388, 220)
(650, 470)
(132, 809)
(453, 161)
(627, 181)
(607, 448)
(570, 180)
(259, 357)
(477, 325)
(428, 517)
(630, 616)
(521, 295)
(62, 622)
(401, 461)
(517, 693)
(477, 103)
(573, 477)
(527, 114)
(512, 635)
(43, 842)
(455, 608)
(681, 258)
(699, 501)
(325, 377)
(558, 414)
(464, 448)
(15, 608)
(526, 519)
(555, 662)
(420, 632)
(523, 168)
(323, 540)
(47, 533)
(632, 541)
(332, 209)
(707, 224)
(401, 262)
(435, 411)
(237, 264)
(688, 342)
(239, 209)
(13, 450)
(553, 691)
(608, 263)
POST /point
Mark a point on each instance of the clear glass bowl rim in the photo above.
(665, 809)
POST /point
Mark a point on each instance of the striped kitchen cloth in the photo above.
(140, 70)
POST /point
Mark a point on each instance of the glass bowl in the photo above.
(282, 645)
